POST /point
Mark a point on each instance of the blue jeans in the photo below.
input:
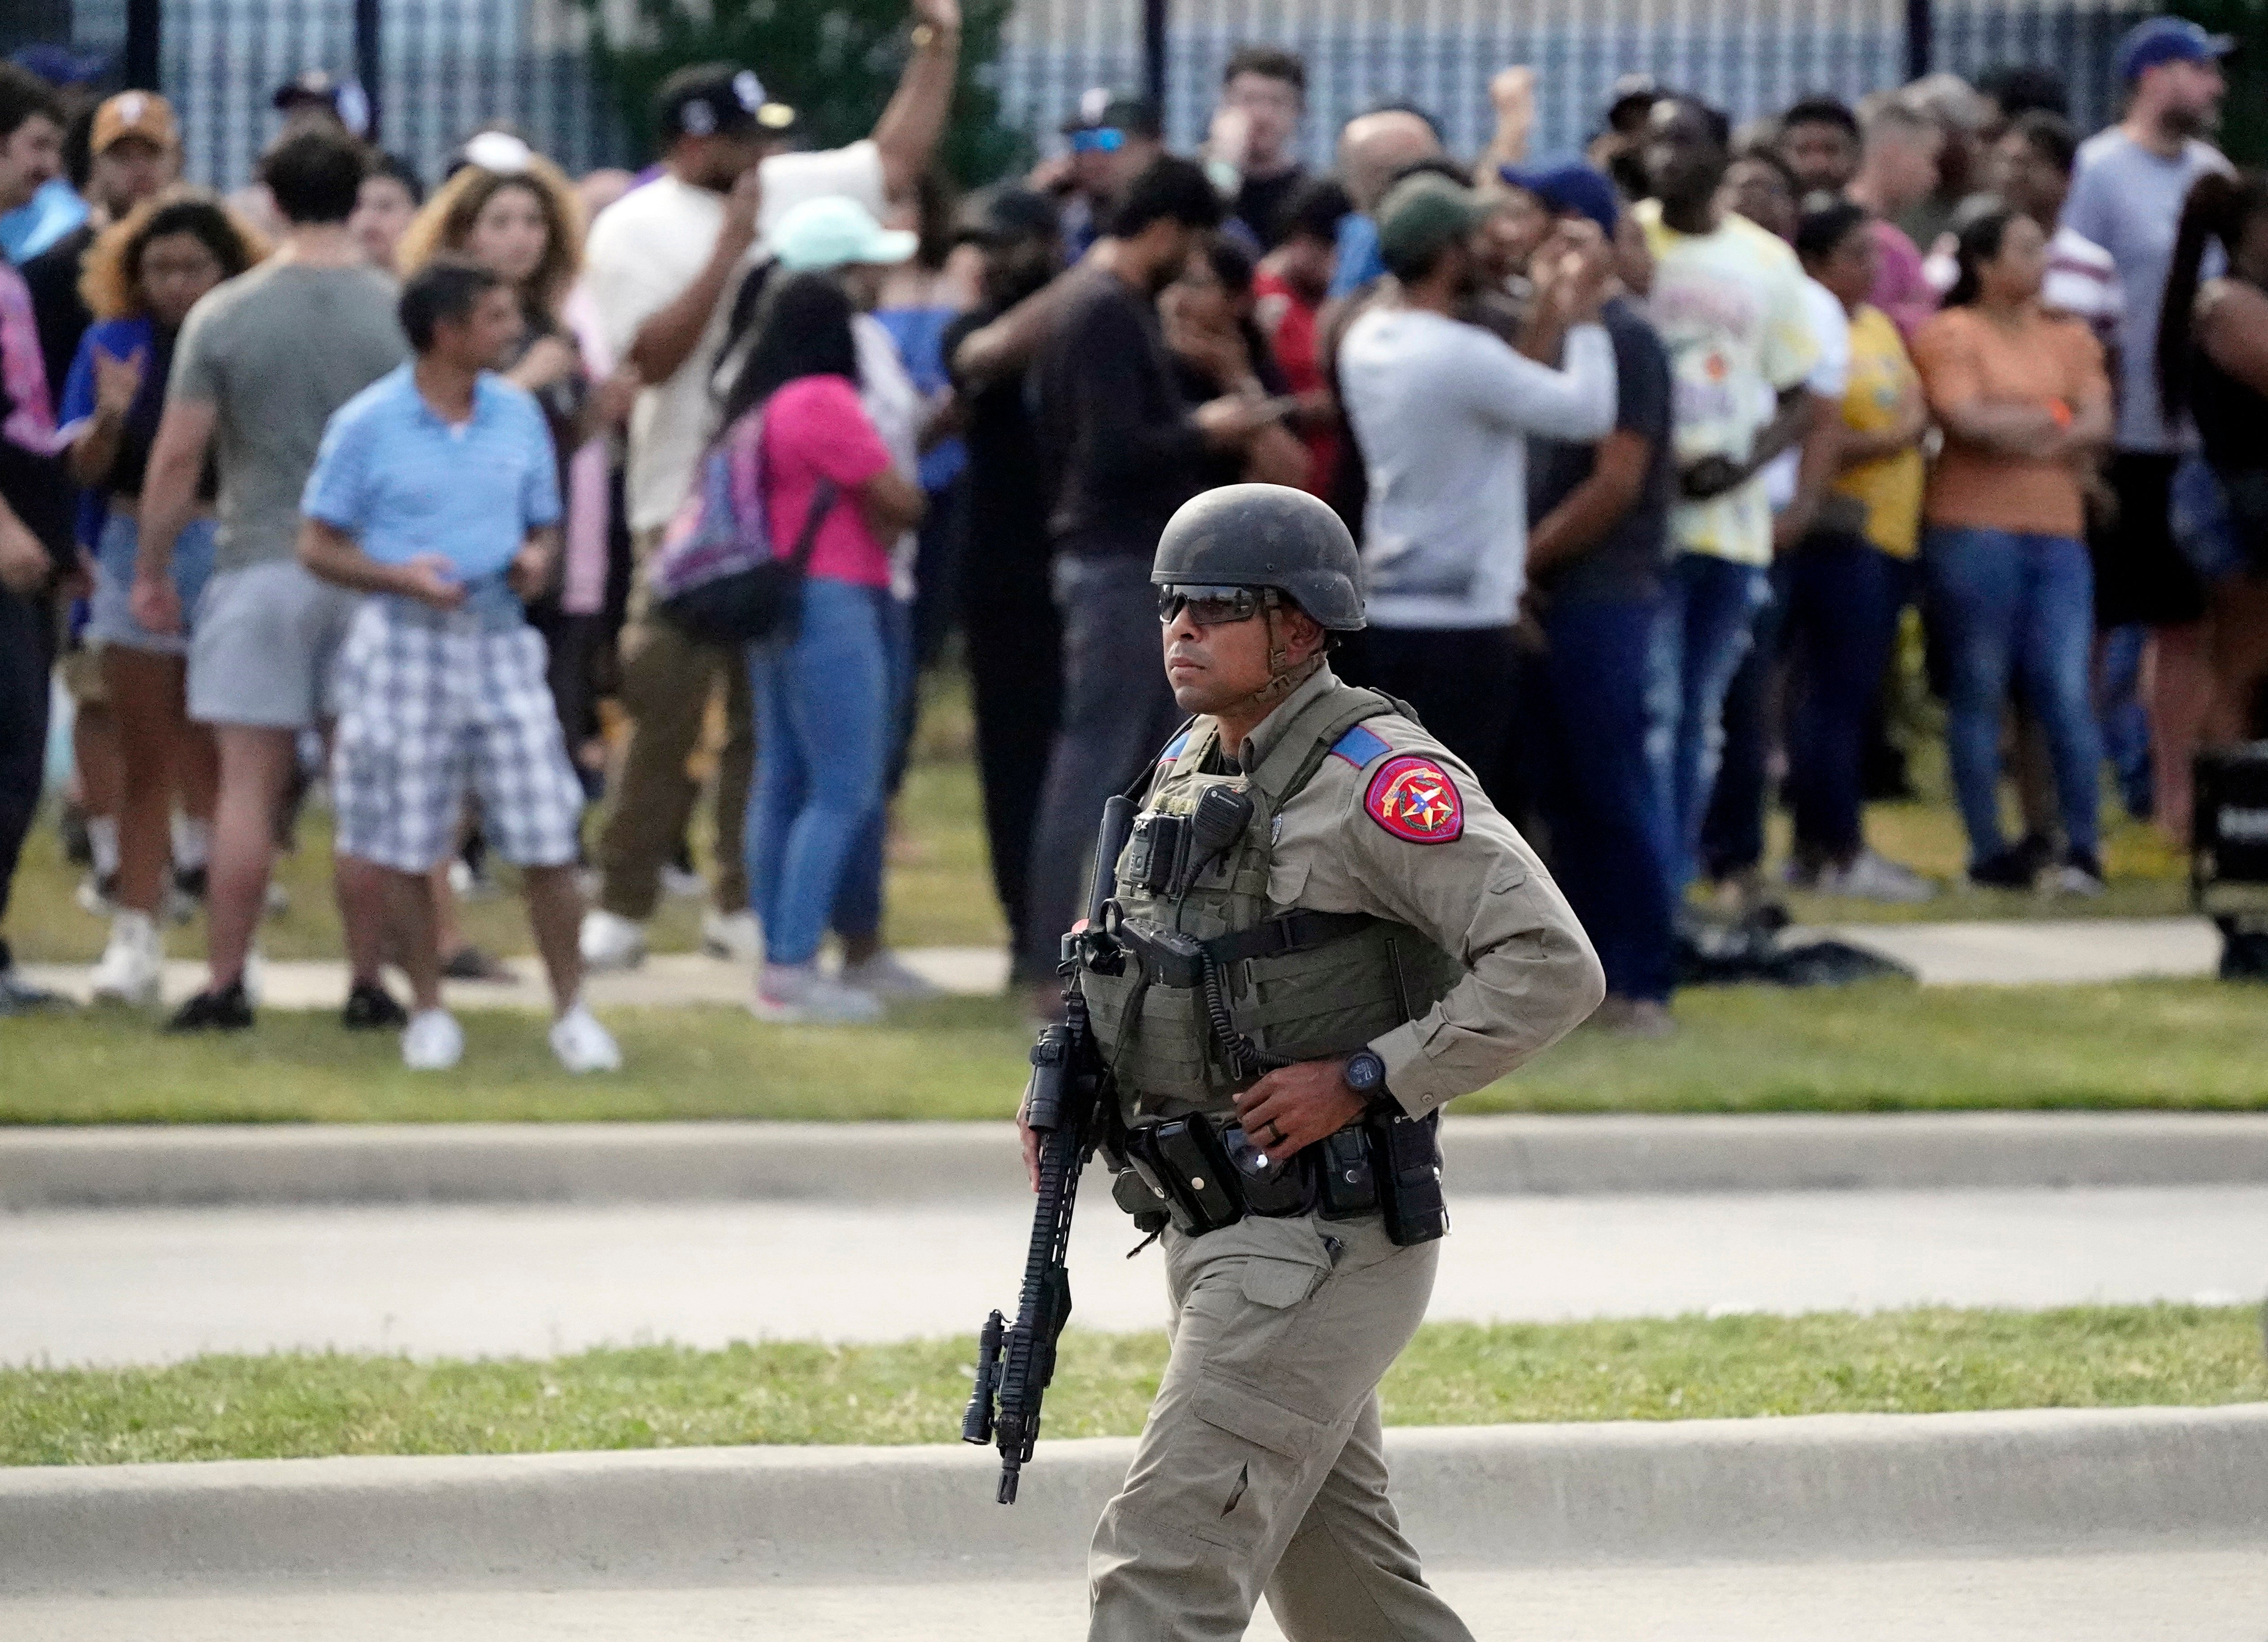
(1587, 732)
(2023, 605)
(110, 620)
(2125, 721)
(1700, 636)
(858, 903)
(1842, 615)
(822, 739)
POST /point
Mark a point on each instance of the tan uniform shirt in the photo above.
(1349, 841)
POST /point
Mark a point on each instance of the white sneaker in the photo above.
(884, 976)
(1871, 878)
(732, 935)
(133, 964)
(432, 1041)
(798, 993)
(93, 895)
(610, 940)
(583, 1045)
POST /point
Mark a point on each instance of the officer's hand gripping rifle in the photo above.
(1066, 1105)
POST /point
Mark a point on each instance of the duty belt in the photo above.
(1199, 1176)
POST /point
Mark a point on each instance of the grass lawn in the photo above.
(219, 1407)
(1879, 1047)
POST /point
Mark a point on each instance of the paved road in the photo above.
(158, 1284)
(2193, 1595)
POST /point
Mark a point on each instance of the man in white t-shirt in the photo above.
(662, 269)
(1728, 301)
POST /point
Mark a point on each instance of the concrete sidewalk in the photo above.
(158, 1285)
(2047, 952)
(1498, 1497)
(2177, 1595)
(127, 1165)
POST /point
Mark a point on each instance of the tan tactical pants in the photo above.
(666, 684)
(1263, 1466)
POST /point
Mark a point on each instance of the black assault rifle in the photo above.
(1066, 1105)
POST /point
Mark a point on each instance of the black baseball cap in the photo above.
(1627, 99)
(719, 99)
(1101, 109)
(345, 99)
(1004, 214)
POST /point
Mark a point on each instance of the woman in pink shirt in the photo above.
(799, 439)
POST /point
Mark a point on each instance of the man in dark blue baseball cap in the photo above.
(2162, 39)
(1569, 188)
(2127, 193)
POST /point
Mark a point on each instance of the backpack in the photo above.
(718, 577)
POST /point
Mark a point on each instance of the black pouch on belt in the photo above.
(1183, 1161)
(1347, 1184)
(1406, 1159)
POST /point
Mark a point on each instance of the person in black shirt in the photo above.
(1218, 349)
(1014, 639)
(1597, 541)
(1263, 92)
(1121, 450)
(34, 531)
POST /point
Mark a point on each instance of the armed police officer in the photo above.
(1319, 931)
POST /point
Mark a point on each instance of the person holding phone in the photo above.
(1443, 411)
(1217, 350)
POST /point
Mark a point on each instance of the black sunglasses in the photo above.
(1214, 606)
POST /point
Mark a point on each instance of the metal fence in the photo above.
(448, 66)
(1751, 56)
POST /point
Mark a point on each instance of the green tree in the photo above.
(2244, 116)
(836, 61)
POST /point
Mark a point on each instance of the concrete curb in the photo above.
(1510, 1494)
(118, 1167)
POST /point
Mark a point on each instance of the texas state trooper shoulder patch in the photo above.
(1414, 799)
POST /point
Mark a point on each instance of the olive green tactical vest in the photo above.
(1328, 997)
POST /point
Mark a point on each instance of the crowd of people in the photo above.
(1650, 452)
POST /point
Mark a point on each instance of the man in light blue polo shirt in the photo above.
(436, 490)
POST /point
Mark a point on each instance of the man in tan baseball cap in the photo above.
(134, 151)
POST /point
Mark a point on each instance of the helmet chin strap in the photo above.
(1284, 676)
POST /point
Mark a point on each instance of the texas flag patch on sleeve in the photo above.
(1413, 798)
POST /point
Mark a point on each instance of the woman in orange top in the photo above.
(2025, 406)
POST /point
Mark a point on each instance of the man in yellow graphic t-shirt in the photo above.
(1728, 302)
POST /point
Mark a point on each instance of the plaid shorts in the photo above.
(429, 701)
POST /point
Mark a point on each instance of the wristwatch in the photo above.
(1365, 1073)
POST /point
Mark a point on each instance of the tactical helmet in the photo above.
(1265, 536)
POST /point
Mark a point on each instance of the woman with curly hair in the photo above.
(141, 279)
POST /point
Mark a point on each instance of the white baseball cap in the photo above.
(835, 232)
